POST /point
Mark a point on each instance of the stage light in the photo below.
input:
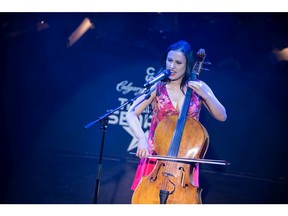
(281, 55)
(85, 25)
(42, 25)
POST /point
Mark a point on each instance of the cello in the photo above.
(184, 142)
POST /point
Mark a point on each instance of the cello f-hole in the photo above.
(153, 179)
(182, 177)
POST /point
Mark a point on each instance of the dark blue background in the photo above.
(49, 92)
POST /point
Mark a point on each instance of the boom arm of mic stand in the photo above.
(110, 112)
(148, 94)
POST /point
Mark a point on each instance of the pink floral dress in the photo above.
(163, 108)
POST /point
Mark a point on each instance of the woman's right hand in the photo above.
(143, 148)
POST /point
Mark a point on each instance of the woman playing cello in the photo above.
(167, 98)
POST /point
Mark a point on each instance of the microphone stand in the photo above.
(104, 120)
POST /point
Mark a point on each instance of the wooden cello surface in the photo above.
(174, 177)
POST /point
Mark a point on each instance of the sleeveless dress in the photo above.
(163, 108)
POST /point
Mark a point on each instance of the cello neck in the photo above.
(175, 143)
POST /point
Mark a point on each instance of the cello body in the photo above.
(174, 179)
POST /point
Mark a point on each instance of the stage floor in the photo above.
(61, 178)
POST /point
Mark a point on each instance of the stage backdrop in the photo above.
(49, 93)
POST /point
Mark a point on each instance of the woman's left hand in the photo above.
(200, 88)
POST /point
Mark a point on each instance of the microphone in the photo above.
(163, 75)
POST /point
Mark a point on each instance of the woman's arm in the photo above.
(132, 117)
(216, 109)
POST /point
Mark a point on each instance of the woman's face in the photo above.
(176, 63)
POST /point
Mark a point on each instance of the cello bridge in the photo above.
(168, 174)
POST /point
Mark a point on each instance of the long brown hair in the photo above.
(185, 48)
